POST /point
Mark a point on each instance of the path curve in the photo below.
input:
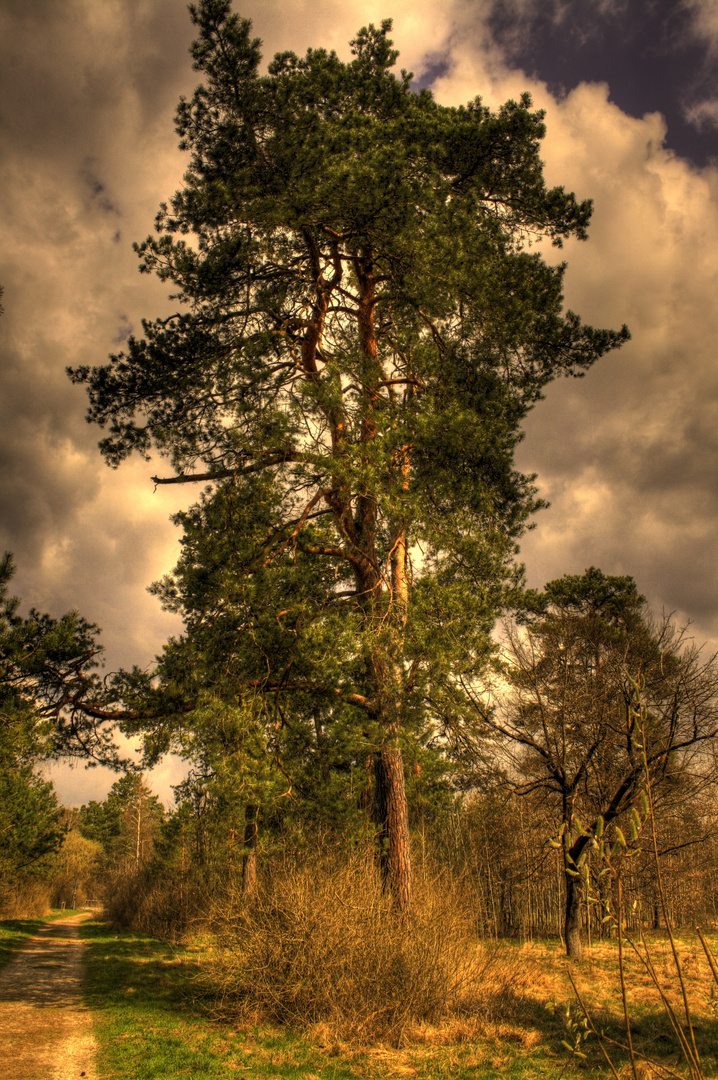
(45, 1026)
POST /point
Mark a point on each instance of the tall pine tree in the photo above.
(362, 329)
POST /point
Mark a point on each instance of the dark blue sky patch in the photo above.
(97, 190)
(437, 65)
(646, 52)
(124, 331)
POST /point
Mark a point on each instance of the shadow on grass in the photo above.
(134, 971)
(653, 1038)
(13, 932)
(148, 1023)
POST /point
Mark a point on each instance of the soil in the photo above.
(45, 1027)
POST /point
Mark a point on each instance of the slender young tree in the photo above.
(362, 329)
(126, 824)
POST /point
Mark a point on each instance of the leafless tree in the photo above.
(567, 711)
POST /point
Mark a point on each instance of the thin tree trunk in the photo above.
(392, 821)
(491, 890)
(138, 838)
(249, 859)
(321, 750)
(182, 905)
(558, 897)
(572, 921)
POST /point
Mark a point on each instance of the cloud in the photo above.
(700, 105)
(627, 456)
(88, 94)
(703, 114)
(77, 784)
(704, 21)
(514, 23)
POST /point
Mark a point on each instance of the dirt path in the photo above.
(45, 1027)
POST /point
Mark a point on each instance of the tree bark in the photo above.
(572, 921)
(392, 821)
(390, 810)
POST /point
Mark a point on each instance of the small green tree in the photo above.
(31, 828)
(362, 330)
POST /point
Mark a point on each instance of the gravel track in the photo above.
(45, 1027)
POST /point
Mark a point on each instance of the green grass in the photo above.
(13, 933)
(153, 1023)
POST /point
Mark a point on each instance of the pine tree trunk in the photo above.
(572, 922)
(392, 821)
(391, 815)
(249, 859)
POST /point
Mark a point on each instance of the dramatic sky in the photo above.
(626, 456)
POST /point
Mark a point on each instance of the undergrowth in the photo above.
(320, 946)
(154, 1022)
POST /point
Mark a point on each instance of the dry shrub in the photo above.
(320, 947)
(24, 899)
(163, 906)
(123, 893)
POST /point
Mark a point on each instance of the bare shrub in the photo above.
(319, 946)
(121, 893)
(163, 906)
(24, 899)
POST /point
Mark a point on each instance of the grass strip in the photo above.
(150, 1025)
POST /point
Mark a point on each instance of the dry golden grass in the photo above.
(597, 975)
